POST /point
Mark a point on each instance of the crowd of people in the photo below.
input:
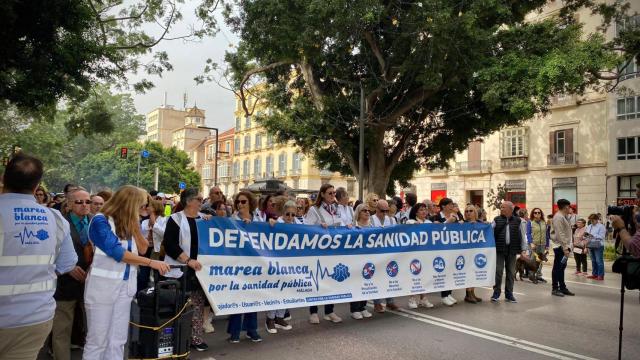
(103, 247)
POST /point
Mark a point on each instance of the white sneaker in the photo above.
(366, 314)
(452, 299)
(314, 319)
(412, 303)
(208, 327)
(426, 303)
(447, 301)
(333, 318)
(357, 315)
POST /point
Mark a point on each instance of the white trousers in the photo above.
(108, 327)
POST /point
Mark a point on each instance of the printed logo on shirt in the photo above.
(30, 216)
(28, 237)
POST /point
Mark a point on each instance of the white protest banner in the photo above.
(259, 267)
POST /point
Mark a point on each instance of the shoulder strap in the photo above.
(318, 211)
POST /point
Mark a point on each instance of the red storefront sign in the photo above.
(626, 201)
(437, 195)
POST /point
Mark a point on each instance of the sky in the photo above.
(188, 60)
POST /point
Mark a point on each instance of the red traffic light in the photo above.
(123, 152)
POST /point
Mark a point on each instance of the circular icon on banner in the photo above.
(392, 268)
(415, 267)
(480, 260)
(368, 270)
(460, 262)
(438, 264)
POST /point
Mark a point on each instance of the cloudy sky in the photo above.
(188, 60)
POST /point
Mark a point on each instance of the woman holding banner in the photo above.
(361, 219)
(325, 213)
(245, 206)
(111, 282)
(419, 215)
(181, 247)
(471, 216)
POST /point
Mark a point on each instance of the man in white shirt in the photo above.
(382, 219)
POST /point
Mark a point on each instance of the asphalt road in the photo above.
(539, 326)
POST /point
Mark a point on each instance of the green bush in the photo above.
(609, 252)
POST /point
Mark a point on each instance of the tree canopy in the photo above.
(55, 50)
(435, 74)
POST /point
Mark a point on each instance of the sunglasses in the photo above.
(469, 211)
(243, 201)
(80, 202)
(384, 211)
(537, 213)
(289, 214)
(375, 200)
(330, 192)
(216, 193)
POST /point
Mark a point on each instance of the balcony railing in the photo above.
(295, 172)
(326, 173)
(245, 176)
(281, 173)
(438, 171)
(225, 179)
(514, 163)
(562, 159)
(478, 166)
(236, 177)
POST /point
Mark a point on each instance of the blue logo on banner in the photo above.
(392, 268)
(368, 270)
(182, 185)
(460, 262)
(415, 267)
(340, 272)
(438, 264)
(480, 260)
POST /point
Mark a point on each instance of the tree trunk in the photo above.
(377, 174)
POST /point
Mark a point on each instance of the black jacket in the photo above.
(515, 235)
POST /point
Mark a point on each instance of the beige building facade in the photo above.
(586, 149)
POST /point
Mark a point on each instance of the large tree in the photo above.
(55, 50)
(435, 74)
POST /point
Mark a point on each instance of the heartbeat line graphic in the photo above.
(319, 273)
(340, 273)
(25, 235)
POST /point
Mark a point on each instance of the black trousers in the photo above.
(581, 261)
(357, 306)
(328, 309)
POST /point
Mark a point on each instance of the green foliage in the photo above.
(435, 74)
(60, 144)
(496, 197)
(55, 50)
(107, 169)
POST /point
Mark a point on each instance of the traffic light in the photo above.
(123, 152)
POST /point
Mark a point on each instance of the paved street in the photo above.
(539, 326)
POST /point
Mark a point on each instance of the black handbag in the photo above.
(629, 267)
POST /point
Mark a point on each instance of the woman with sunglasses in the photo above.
(111, 282)
(372, 202)
(245, 206)
(41, 195)
(361, 219)
(276, 318)
(324, 213)
(180, 243)
(538, 236)
(471, 216)
(419, 215)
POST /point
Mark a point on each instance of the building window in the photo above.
(236, 145)
(247, 143)
(227, 147)
(247, 122)
(561, 142)
(237, 124)
(629, 71)
(628, 108)
(297, 162)
(245, 167)
(565, 188)
(236, 169)
(269, 165)
(269, 140)
(282, 164)
(206, 172)
(257, 166)
(627, 186)
(514, 142)
(627, 24)
(258, 141)
(628, 148)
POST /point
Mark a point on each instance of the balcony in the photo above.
(563, 159)
(236, 178)
(225, 179)
(563, 100)
(257, 176)
(295, 172)
(245, 177)
(326, 173)
(281, 173)
(439, 171)
(473, 167)
(514, 163)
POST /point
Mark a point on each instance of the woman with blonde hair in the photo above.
(361, 219)
(111, 282)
